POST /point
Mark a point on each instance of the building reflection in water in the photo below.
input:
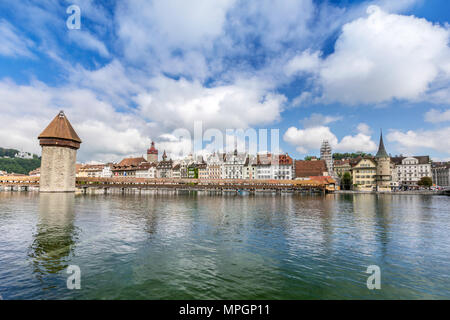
(55, 235)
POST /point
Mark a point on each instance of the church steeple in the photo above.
(381, 150)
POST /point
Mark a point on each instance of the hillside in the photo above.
(17, 165)
(8, 152)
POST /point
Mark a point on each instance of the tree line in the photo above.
(17, 165)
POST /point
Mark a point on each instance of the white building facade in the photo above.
(409, 170)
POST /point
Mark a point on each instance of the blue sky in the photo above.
(137, 71)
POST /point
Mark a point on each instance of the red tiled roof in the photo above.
(304, 168)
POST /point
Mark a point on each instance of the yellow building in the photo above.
(374, 174)
(364, 174)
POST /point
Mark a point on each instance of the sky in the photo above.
(139, 71)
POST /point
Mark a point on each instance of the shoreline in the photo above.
(422, 192)
(229, 192)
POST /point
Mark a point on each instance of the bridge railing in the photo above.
(126, 181)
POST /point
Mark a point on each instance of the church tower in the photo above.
(59, 143)
(152, 154)
(384, 175)
(327, 155)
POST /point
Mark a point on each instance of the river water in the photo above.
(198, 246)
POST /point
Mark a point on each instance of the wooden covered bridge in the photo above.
(222, 185)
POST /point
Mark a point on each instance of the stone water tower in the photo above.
(59, 143)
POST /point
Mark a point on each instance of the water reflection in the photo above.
(55, 235)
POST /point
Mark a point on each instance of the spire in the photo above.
(164, 156)
(381, 150)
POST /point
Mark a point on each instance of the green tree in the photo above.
(347, 155)
(16, 165)
(425, 182)
(346, 181)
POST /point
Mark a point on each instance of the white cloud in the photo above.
(113, 81)
(107, 134)
(12, 44)
(364, 128)
(413, 140)
(436, 116)
(304, 62)
(171, 35)
(179, 103)
(311, 138)
(87, 41)
(359, 142)
(383, 57)
(317, 119)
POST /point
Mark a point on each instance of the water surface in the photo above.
(198, 246)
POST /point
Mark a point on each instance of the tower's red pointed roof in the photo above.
(152, 149)
(60, 128)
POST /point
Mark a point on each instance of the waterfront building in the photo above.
(91, 171)
(250, 168)
(340, 167)
(364, 174)
(274, 167)
(233, 164)
(184, 164)
(4, 173)
(327, 156)
(441, 173)
(303, 169)
(192, 171)
(283, 167)
(214, 167)
(146, 170)
(409, 170)
(127, 167)
(107, 171)
(164, 167)
(59, 143)
(383, 172)
(33, 173)
(95, 170)
(202, 171)
(152, 154)
(176, 173)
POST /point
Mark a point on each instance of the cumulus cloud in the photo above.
(364, 128)
(413, 140)
(436, 116)
(379, 58)
(307, 61)
(311, 138)
(383, 57)
(106, 133)
(179, 103)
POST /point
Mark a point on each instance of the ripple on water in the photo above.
(223, 247)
